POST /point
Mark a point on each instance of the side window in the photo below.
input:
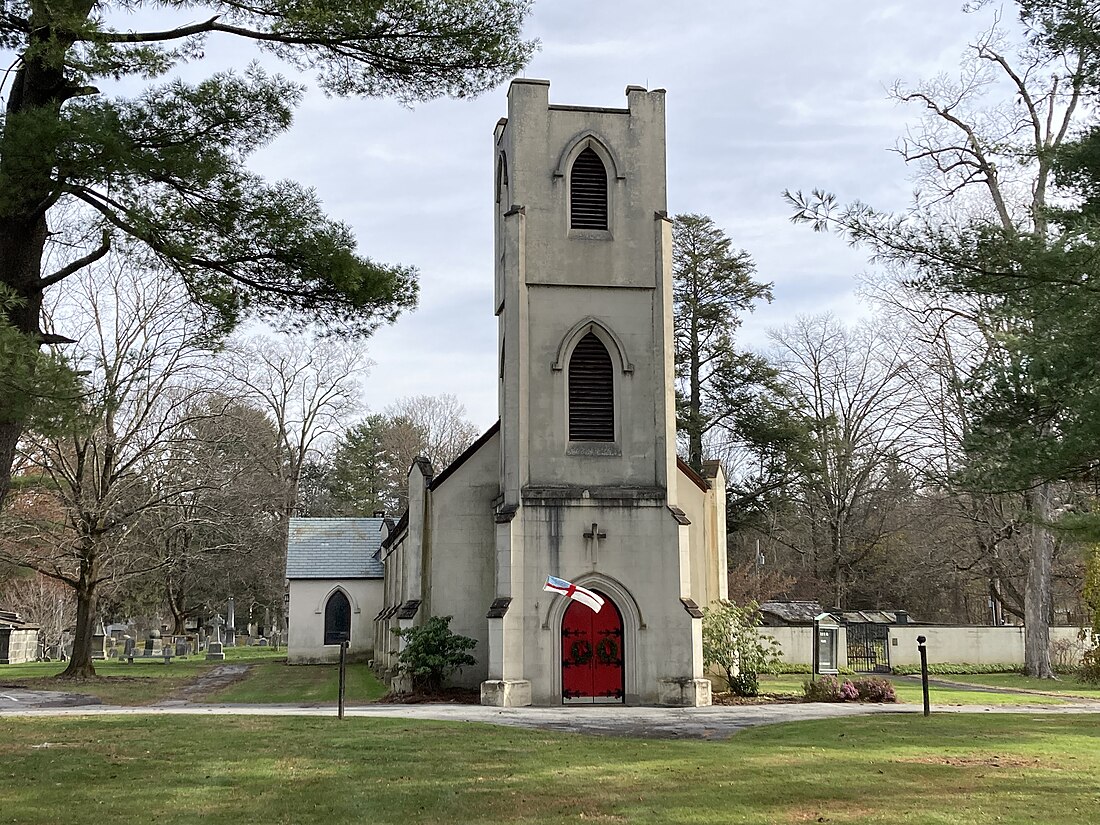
(588, 192)
(337, 619)
(591, 392)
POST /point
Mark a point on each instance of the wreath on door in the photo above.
(607, 651)
(581, 652)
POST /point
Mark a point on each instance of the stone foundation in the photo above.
(683, 692)
(506, 693)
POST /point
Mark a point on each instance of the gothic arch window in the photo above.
(337, 618)
(591, 391)
(502, 179)
(588, 192)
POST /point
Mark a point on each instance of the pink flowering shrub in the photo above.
(822, 689)
(875, 690)
(829, 689)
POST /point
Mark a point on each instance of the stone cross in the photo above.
(595, 534)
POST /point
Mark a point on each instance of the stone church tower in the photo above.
(590, 486)
(579, 479)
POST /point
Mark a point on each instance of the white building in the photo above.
(580, 478)
(335, 582)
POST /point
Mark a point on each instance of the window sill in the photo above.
(591, 234)
(594, 448)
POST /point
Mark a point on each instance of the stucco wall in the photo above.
(796, 644)
(306, 626)
(461, 553)
(970, 645)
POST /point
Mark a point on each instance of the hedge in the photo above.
(955, 668)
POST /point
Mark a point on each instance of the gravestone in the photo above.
(99, 642)
(214, 651)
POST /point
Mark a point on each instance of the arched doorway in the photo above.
(337, 619)
(592, 654)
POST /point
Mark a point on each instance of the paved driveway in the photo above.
(716, 722)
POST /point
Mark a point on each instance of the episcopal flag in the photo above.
(573, 591)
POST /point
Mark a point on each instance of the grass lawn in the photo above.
(949, 769)
(280, 683)
(142, 683)
(910, 692)
(1065, 685)
(270, 680)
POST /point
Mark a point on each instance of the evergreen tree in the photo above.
(713, 287)
(167, 166)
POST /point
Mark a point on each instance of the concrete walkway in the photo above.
(717, 722)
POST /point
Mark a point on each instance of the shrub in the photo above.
(433, 652)
(829, 689)
(873, 690)
(731, 641)
(822, 689)
(744, 684)
(1089, 671)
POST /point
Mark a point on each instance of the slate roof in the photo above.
(334, 548)
(792, 612)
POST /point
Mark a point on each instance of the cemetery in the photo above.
(441, 460)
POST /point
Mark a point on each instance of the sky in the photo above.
(761, 97)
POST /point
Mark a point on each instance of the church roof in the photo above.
(334, 548)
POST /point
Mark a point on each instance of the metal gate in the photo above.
(869, 647)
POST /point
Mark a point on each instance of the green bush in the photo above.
(952, 668)
(797, 668)
(433, 652)
(745, 684)
(1089, 671)
(732, 642)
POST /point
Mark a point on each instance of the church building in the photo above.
(579, 479)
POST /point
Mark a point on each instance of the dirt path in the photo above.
(970, 686)
(212, 681)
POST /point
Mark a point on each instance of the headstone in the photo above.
(214, 650)
(99, 641)
(261, 642)
(231, 624)
(182, 648)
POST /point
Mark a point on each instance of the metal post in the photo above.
(815, 651)
(924, 671)
(343, 673)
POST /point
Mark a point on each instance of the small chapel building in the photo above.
(579, 478)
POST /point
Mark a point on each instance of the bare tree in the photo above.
(853, 388)
(307, 387)
(985, 162)
(436, 426)
(91, 480)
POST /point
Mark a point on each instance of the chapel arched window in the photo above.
(337, 619)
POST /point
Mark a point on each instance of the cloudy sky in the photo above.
(762, 96)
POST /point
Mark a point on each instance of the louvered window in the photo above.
(588, 192)
(591, 392)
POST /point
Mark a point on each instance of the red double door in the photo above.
(592, 653)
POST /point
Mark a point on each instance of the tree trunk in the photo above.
(1038, 598)
(80, 663)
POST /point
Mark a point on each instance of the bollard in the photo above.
(924, 671)
(343, 672)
